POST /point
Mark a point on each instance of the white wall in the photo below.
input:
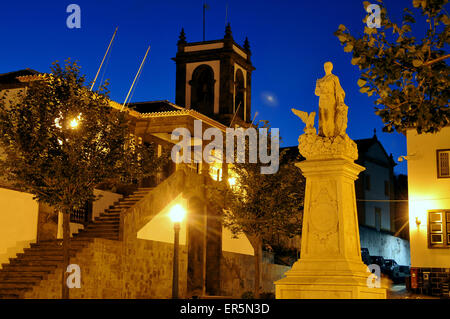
(160, 228)
(18, 222)
(378, 175)
(240, 245)
(388, 246)
(103, 202)
(426, 192)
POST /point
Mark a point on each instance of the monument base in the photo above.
(327, 279)
(330, 266)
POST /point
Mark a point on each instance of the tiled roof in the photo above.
(155, 107)
(12, 77)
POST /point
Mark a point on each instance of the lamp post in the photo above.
(176, 214)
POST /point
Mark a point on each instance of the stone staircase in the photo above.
(28, 269)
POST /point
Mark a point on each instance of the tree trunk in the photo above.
(257, 248)
(66, 256)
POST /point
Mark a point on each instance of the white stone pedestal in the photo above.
(330, 266)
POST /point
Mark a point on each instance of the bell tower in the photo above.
(214, 78)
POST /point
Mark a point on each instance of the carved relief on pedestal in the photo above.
(324, 221)
(350, 222)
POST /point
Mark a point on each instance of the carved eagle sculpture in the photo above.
(308, 119)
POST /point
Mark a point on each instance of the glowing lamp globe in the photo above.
(177, 213)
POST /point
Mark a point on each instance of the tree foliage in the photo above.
(408, 75)
(261, 204)
(60, 140)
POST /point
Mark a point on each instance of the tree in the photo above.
(260, 205)
(409, 76)
(60, 140)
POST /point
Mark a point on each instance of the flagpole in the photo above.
(137, 74)
(107, 50)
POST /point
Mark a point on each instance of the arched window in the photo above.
(202, 89)
(239, 104)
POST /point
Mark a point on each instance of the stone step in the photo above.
(20, 280)
(35, 262)
(23, 274)
(9, 296)
(48, 250)
(119, 207)
(110, 237)
(17, 292)
(102, 225)
(137, 196)
(110, 214)
(74, 243)
(28, 268)
(129, 201)
(43, 256)
(105, 222)
(107, 218)
(99, 234)
(103, 228)
(16, 285)
(115, 220)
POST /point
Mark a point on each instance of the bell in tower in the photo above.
(214, 78)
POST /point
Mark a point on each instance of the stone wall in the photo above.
(386, 245)
(112, 270)
(142, 269)
(238, 274)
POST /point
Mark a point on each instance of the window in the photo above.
(386, 188)
(367, 182)
(439, 229)
(443, 163)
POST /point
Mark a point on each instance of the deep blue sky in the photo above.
(290, 41)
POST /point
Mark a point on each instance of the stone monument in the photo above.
(330, 266)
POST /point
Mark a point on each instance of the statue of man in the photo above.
(331, 95)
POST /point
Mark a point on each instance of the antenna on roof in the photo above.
(106, 53)
(137, 75)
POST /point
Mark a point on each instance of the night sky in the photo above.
(290, 41)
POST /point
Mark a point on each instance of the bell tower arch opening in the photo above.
(202, 89)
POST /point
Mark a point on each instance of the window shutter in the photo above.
(444, 164)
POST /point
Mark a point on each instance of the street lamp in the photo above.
(176, 214)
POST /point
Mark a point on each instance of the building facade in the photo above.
(429, 209)
(213, 85)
